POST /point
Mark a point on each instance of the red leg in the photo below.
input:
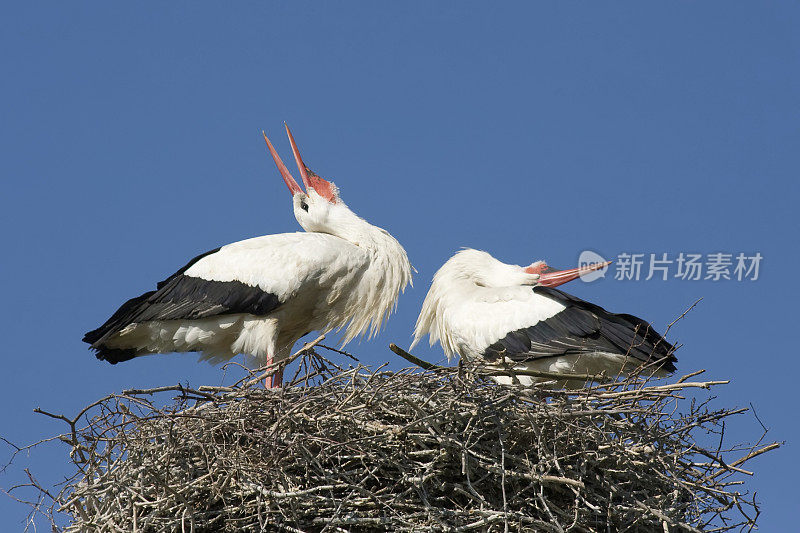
(275, 379)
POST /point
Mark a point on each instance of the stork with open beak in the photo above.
(259, 296)
(490, 312)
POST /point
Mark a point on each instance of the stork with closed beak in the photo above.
(259, 296)
(490, 312)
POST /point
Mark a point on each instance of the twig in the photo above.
(415, 360)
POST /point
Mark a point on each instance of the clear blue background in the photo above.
(131, 142)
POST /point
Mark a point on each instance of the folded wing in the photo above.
(583, 328)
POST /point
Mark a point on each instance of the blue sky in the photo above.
(131, 143)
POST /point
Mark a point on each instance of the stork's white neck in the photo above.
(385, 276)
(351, 227)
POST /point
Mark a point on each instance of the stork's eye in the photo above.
(304, 206)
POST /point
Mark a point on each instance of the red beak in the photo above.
(550, 277)
(323, 187)
(299, 160)
(294, 188)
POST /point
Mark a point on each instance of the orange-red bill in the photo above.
(553, 278)
(294, 188)
(299, 160)
(311, 180)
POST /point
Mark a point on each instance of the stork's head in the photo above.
(483, 270)
(317, 207)
(542, 274)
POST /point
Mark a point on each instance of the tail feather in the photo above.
(115, 355)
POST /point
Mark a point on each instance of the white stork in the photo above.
(259, 296)
(488, 311)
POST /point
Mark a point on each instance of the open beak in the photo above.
(294, 188)
(550, 277)
(311, 181)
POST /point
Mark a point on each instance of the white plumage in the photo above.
(259, 296)
(487, 311)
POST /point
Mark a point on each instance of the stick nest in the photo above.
(361, 450)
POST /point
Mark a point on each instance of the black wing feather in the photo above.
(583, 327)
(181, 297)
